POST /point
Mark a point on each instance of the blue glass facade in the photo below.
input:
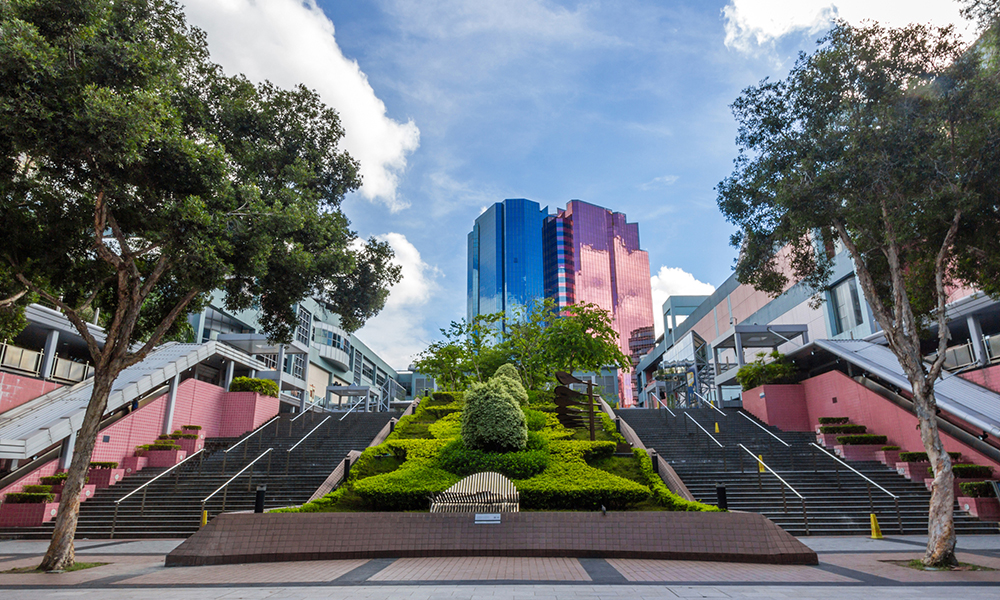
(505, 258)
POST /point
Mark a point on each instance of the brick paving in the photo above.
(312, 571)
(702, 571)
(483, 568)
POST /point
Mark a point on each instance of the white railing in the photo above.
(20, 359)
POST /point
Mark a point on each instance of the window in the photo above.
(368, 370)
(304, 326)
(845, 306)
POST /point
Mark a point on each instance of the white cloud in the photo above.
(292, 41)
(674, 281)
(659, 182)
(755, 24)
(397, 333)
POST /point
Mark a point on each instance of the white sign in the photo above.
(488, 518)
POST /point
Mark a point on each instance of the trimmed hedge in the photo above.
(578, 486)
(103, 465)
(889, 448)
(456, 458)
(541, 397)
(662, 494)
(27, 498)
(535, 419)
(580, 450)
(414, 449)
(833, 420)
(966, 471)
(977, 489)
(406, 488)
(448, 427)
(56, 479)
(248, 384)
(37, 489)
(843, 429)
(158, 445)
(866, 439)
(441, 398)
(191, 427)
(922, 456)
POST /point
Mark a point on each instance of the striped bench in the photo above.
(479, 493)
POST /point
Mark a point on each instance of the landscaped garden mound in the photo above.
(499, 427)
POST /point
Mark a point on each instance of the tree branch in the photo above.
(162, 328)
(123, 242)
(940, 264)
(100, 224)
(12, 299)
(81, 326)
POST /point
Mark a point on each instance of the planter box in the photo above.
(984, 509)
(134, 464)
(857, 451)
(929, 481)
(85, 494)
(888, 458)
(27, 515)
(103, 478)
(829, 440)
(191, 446)
(913, 470)
(164, 458)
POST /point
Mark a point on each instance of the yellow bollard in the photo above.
(204, 518)
(876, 530)
(760, 463)
(716, 427)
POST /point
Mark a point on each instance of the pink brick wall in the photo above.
(881, 416)
(15, 390)
(220, 413)
(988, 378)
(783, 406)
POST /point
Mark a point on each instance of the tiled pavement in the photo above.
(850, 568)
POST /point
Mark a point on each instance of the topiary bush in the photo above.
(406, 488)
(843, 429)
(493, 420)
(833, 420)
(578, 486)
(535, 419)
(442, 398)
(866, 439)
(922, 456)
(37, 489)
(57, 479)
(977, 489)
(27, 498)
(456, 458)
(509, 374)
(889, 448)
(969, 471)
(248, 384)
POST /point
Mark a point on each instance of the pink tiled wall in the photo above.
(783, 406)
(15, 390)
(220, 414)
(988, 377)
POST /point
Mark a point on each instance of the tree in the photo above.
(986, 12)
(527, 340)
(583, 339)
(886, 140)
(135, 177)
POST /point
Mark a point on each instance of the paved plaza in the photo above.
(850, 567)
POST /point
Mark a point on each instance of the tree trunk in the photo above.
(940, 518)
(61, 553)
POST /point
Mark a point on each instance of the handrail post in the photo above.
(225, 457)
(784, 504)
(871, 505)
(225, 492)
(288, 457)
(250, 481)
(114, 522)
(805, 517)
(142, 509)
(269, 464)
(899, 516)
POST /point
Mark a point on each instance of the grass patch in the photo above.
(626, 467)
(76, 567)
(919, 566)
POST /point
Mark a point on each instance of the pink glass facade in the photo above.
(593, 256)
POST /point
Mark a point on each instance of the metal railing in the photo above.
(20, 359)
(712, 406)
(787, 445)
(666, 407)
(224, 488)
(725, 466)
(288, 453)
(871, 503)
(366, 401)
(761, 467)
(144, 487)
(225, 453)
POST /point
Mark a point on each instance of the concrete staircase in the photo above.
(836, 499)
(173, 503)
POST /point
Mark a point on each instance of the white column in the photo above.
(66, 456)
(230, 365)
(978, 347)
(168, 416)
(740, 359)
(49, 355)
(281, 368)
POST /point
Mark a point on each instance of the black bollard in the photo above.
(720, 492)
(258, 502)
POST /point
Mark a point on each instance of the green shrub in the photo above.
(977, 489)
(922, 456)
(191, 427)
(662, 494)
(843, 429)
(37, 489)
(375, 461)
(27, 498)
(447, 428)
(578, 486)
(57, 479)
(889, 448)
(103, 465)
(537, 398)
(833, 420)
(157, 445)
(406, 488)
(412, 427)
(324, 504)
(493, 420)
(965, 471)
(442, 398)
(758, 373)
(415, 449)
(535, 419)
(507, 373)
(580, 450)
(183, 436)
(866, 439)
(439, 412)
(458, 459)
(261, 386)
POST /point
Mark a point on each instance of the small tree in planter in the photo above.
(260, 386)
(759, 372)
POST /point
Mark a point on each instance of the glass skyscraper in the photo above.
(505, 257)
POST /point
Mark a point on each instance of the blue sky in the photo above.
(452, 105)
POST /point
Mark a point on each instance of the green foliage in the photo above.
(407, 488)
(493, 420)
(922, 456)
(375, 461)
(977, 489)
(191, 427)
(447, 427)
(156, 446)
(103, 465)
(578, 486)
(540, 397)
(442, 398)
(458, 459)
(57, 479)
(759, 372)
(865, 439)
(415, 449)
(969, 471)
(507, 376)
(843, 429)
(37, 489)
(583, 451)
(266, 387)
(889, 448)
(536, 420)
(183, 436)
(584, 339)
(661, 493)
(833, 420)
(27, 498)
(622, 466)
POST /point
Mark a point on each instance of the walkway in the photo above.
(850, 567)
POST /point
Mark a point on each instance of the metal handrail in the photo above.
(224, 486)
(259, 429)
(666, 407)
(356, 404)
(787, 445)
(784, 502)
(704, 430)
(288, 453)
(714, 407)
(871, 504)
(225, 453)
(143, 487)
